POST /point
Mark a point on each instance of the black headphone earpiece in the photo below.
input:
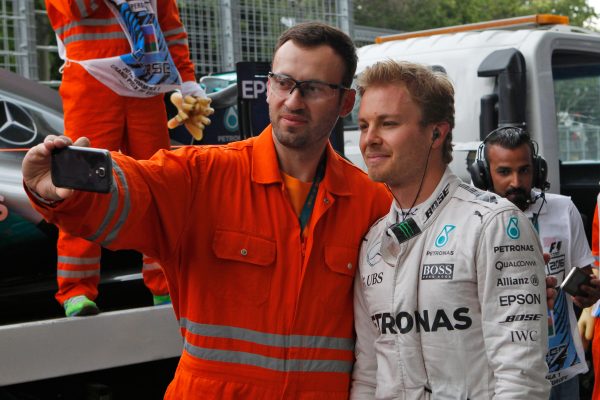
(480, 170)
(436, 134)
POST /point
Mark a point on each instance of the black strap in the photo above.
(309, 203)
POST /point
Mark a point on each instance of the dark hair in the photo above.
(430, 89)
(313, 34)
(509, 137)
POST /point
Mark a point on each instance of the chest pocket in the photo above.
(245, 268)
(342, 260)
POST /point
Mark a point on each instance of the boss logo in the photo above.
(437, 271)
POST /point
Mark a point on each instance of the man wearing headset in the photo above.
(508, 165)
(450, 301)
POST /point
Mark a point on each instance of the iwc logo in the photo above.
(16, 125)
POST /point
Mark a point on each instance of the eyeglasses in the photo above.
(284, 86)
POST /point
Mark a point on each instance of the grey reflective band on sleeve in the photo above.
(126, 206)
(82, 9)
(94, 36)
(87, 22)
(175, 31)
(112, 208)
(177, 41)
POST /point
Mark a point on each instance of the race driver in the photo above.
(451, 301)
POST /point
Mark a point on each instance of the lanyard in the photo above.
(309, 203)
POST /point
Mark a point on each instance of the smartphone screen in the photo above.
(82, 168)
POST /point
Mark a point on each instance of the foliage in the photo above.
(411, 15)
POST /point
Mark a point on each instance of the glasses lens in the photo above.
(310, 90)
(316, 90)
(282, 84)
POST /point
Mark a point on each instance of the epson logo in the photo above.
(437, 271)
(522, 317)
(513, 247)
(514, 264)
(439, 199)
(405, 322)
(440, 252)
(521, 298)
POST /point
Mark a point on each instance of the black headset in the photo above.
(480, 168)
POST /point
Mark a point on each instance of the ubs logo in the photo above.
(16, 125)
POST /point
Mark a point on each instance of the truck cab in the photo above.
(536, 72)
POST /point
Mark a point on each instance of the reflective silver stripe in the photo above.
(277, 364)
(82, 10)
(78, 260)
(62, 273)
(177, 41)
(151, 267)
(87, 22)
(126, 206)
(93, 36)
(174, 31)
(267, 339)
(110, 212)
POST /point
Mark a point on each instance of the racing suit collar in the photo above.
(265, 168)
(424, 216)
(428, 209)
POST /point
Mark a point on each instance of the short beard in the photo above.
(519, 197)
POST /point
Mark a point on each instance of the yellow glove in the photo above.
(586, 326)
(193, 112)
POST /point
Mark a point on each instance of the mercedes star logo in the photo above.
(16, 124)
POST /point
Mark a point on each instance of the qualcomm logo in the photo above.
(442, 238)
(512, 230)
(16, 125)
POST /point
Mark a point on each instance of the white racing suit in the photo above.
(451, 303)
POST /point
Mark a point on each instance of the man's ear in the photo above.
(347, 102)
(440, 131)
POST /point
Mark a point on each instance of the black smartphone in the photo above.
(82, 168)
(574, 279)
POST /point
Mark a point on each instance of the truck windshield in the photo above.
(577, 98)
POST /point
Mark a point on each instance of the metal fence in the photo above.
(18, 38)
(221, 32)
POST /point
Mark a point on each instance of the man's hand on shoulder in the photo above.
(36, 168)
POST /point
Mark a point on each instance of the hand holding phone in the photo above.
(575, 278)
(82, 168)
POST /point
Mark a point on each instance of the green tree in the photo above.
(411, 15)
